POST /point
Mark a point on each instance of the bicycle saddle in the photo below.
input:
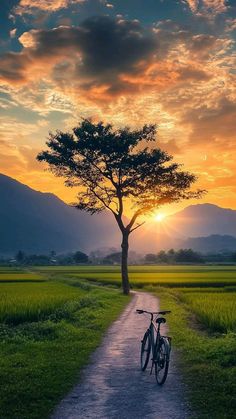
(161, 320)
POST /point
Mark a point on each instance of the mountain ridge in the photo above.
(39, 222)
(36, 221)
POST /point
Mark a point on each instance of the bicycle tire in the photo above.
(145, 350)
(162, 361)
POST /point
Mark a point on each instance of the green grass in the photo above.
(48, 328)
(19, 277)
(216, 311)
(140, 276)
(33, 301)
(207, 361)
(47, 332)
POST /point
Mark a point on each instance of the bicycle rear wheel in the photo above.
(162, 361)
(145, 350)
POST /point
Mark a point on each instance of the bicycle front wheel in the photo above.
(162, 361)
(145, 350)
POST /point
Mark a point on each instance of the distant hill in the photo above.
(202, 227)
(40, 222)
(210, 244)
(203, 220)
(37, 222)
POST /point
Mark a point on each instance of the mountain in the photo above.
(203, 220)
(40, 222)
(211, 244)
(202, 227)
(37, 222)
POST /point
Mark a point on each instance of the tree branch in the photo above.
(137, 226)
(133, 219)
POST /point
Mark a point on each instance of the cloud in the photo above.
(84, 54)
(215, 124)
(134, 58)
(164, 73)
(13, 33)
(207, 8)
(49, 6)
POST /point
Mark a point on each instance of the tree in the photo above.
(80, 257)
(188, 255)
(162, 257)
(112, 168)
(150, 258)
(113, 258)
(20, 256)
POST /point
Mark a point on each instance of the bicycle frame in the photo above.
(155, 338)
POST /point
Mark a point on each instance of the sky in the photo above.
(128, 62)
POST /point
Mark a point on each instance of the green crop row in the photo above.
(26, 302)
(21, 277)
(216, 311)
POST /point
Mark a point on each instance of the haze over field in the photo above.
(128, 62)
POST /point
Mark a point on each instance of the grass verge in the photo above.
(207, 360)
(41, 360)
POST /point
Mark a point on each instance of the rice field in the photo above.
(140, 276)
(52, 318)
(48, 330)
(208, 291)
(27, 302)
(20, 277)
(215, 310)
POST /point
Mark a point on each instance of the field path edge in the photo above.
(113, 386)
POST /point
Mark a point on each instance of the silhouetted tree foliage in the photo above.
(112, 258)
(233, 257)
(80, 257)
(20, 256)
(150, 258)
(113, 167)
(172, 257)
(187, 255)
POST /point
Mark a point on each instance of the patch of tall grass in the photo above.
(216, 311)
(27, 302)
(20, 277)
(168, 279)
(47, 334)
(207, 361)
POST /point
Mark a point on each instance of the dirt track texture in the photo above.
(114, 387)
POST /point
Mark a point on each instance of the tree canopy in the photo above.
(113, 167)
(110, 166)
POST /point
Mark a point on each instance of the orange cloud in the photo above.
(29, 6)
(165, 74)
(207, 7)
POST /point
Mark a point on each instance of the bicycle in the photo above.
(158, 344)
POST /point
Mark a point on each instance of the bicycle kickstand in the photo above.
(152, 366)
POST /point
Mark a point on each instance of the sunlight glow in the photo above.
(159, 217)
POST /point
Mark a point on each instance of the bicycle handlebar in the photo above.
(139, 311)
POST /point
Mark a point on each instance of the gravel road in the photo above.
(114, 387)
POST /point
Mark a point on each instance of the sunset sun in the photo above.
(159, 217)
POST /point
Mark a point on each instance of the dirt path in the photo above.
(113, 386)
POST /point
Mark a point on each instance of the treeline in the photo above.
(169, 257)
(22, 258)
(172, 257)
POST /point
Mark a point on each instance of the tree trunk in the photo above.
(124, 263)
